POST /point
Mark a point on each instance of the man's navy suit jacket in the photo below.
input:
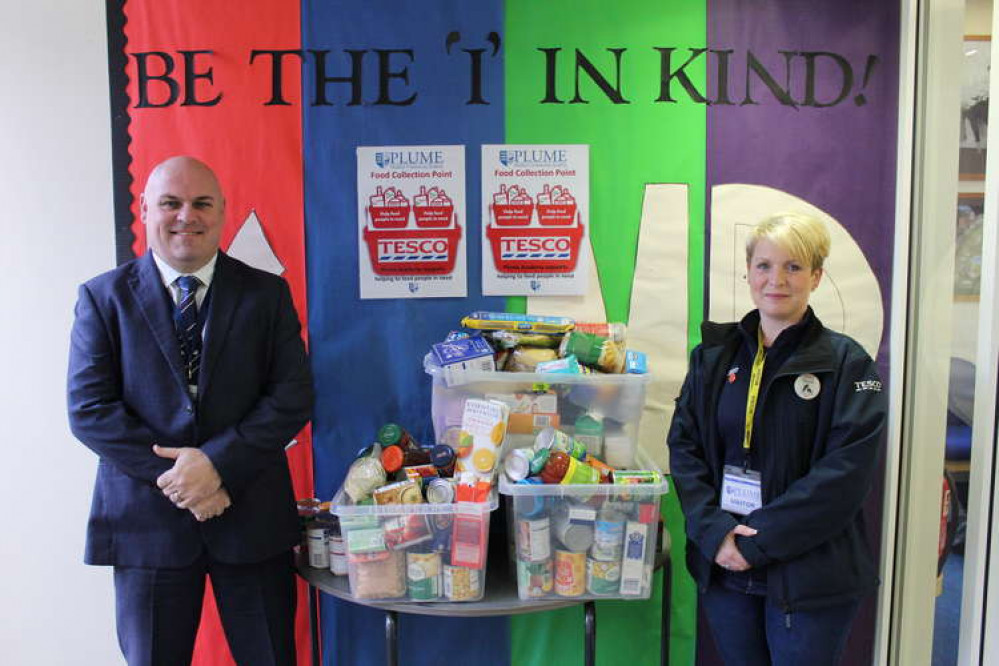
(126, 391)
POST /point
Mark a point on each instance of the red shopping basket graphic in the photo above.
(412, 251)
(433, 217)
(535, 249)
(512, 215)
(388, 217)
(556, 215)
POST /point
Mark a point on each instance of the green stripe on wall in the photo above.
(630, 145)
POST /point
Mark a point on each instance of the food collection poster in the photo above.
(410, 221)
(535, 219)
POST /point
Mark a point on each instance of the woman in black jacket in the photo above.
(773, 448)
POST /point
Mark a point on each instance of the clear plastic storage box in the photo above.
(416, 552)
(603, 411)
(584, 541)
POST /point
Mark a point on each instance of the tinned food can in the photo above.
(317, 534)
(570, 573)
(535, 579)
(534, 539)
(556, 440)
(338, 556)
(608, 536)
(318, 546)
(440, 491)
(337, 548)
(603, 578)
(573, 526)
(423, 576)
(629, 476)
(462, 583)
(634, 477)
(517, 465)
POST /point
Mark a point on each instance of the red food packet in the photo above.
(472, 489)
(468, 540)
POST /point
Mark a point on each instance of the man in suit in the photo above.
(187, 377)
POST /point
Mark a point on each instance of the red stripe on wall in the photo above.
(254, 148)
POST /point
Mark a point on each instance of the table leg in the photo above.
(314, 628)
(590, 622)
(667, 602)
(391, 638)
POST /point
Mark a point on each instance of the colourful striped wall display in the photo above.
(698, 116)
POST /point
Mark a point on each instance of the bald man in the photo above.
(187, 377)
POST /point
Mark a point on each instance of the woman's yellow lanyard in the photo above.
(755, 379)
(741, 491)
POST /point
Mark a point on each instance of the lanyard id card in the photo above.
(741, 491)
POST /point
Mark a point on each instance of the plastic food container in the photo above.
(416, 552)
(608, 406)
(584, 541)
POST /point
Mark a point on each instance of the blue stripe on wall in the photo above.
(367, 355)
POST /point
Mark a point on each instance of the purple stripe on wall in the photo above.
(840, 158)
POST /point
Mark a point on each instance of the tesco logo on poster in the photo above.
(540, 244)
(411, 247)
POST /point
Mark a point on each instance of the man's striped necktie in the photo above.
(185, 319)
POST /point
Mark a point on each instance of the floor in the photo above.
(948, 613)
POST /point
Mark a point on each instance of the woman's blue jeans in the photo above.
(750, 631)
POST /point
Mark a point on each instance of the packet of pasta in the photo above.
(508, 321)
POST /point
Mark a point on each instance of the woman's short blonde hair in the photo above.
(802, 236)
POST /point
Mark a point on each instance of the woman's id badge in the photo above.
(741, 491)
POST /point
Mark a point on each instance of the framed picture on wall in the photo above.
(968, 246)
(974, 106)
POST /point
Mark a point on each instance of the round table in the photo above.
(500, 598)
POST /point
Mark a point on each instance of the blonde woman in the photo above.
(773, 448)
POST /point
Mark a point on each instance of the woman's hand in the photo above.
(728, 555)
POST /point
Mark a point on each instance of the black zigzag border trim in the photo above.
(121, 158)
